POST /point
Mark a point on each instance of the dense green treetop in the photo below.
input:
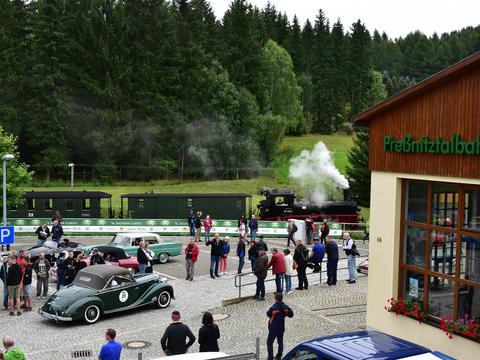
(132, 88)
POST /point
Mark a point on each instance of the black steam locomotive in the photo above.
(281, 205)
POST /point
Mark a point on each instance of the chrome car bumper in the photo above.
(54, 317)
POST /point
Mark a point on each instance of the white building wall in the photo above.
(384, 253)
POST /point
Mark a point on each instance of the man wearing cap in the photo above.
(96, 258)
(174, 340)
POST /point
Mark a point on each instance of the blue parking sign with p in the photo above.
(7, 235)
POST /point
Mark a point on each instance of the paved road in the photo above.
(175, 268)
(320, 311)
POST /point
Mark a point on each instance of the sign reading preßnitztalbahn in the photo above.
(454, 145)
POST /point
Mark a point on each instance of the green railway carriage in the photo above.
(175, 206)
(71, 204)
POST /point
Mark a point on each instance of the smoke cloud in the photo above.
(315, 172)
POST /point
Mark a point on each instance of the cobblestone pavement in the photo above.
(320, 311)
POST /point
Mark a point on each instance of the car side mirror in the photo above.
(163, 280)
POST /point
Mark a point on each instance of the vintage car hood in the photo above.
(65, 297)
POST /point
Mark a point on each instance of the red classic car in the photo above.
(115, 256)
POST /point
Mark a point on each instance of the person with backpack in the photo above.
(291, 229)
(300, 257)
(351, 251)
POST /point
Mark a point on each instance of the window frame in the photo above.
(459, 230)
(73, 204)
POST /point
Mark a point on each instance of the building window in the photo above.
(69, 205)
(85, 204)
(141, 203)
(440, 262)
(30, 204)
(48, 204)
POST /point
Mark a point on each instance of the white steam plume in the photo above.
(316, 173)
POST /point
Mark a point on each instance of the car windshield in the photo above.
(121, 240)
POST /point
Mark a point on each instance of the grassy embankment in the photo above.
(291, 146)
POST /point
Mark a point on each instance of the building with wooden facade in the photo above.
(424, 157)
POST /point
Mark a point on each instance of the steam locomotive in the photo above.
(281, 205)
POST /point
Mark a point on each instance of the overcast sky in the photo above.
(396, 18)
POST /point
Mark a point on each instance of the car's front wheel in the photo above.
(91, 314)
(163, 258)
(163, 299)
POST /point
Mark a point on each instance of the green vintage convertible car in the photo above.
(162, 249)
(105, 289)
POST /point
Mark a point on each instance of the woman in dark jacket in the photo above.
(208, 334)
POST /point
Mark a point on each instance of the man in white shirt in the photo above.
(350, 250)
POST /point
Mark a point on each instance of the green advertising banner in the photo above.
(165, 227)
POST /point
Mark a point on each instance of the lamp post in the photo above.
(5, 158)
(71, 166)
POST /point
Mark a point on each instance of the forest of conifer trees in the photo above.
(155, 87)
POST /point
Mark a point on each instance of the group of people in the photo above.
(43, 231)
(195, 223)
(178, 338)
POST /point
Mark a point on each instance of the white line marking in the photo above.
(170, 276)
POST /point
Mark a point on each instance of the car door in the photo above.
(120, 292)
(133, 248)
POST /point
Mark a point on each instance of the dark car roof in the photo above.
(113, 250)
(96, 276)
(66, 195)
(362, 345)
(158, 195)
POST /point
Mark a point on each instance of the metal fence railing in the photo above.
(239, 284)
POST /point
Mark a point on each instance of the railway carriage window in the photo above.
(444, 205)
(238, 204)
(141, 203)
(48, 204)
(471, 216)
(30, 204)
(69, 205)
(85, 204)
(416, 201)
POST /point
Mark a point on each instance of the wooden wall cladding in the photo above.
(450, 107)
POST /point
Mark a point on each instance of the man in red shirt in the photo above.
(278, 268)
(191, 255)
